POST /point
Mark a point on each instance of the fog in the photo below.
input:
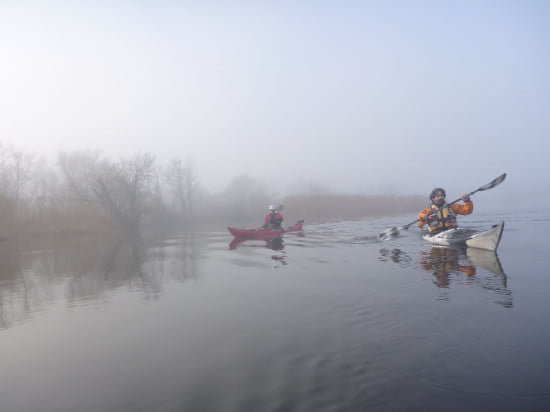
(347, 97)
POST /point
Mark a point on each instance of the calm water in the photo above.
(327, 320)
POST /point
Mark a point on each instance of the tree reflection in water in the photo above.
(481, 268)
(81, 269)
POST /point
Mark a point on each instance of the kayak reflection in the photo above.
(275, 243)
(441, 262)
(480, 267)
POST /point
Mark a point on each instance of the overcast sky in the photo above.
(356, 96)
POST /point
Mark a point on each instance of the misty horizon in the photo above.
(352, 98)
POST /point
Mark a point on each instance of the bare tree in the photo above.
(191, 186)
(81, 171)
(43, 188)
(123, 188)
(175, 176)
(16, 169)
(183, 182)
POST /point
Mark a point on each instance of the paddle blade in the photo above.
(391, 232)
(494, 183)
(388, 234)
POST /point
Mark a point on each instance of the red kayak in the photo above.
(263, 232)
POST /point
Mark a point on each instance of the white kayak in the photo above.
(488, 239)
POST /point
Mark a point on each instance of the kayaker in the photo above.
(439, 216)
(274, 219)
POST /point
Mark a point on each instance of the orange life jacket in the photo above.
(442, 219)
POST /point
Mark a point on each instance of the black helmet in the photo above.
(435, 191)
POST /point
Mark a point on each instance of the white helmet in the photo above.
(273, 207)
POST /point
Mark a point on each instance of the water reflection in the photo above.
(480, 267)
(396, 256)
(441, 262)
(275, 243)
(489, 262)
(80, 270)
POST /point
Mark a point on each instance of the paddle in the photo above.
(394, 231)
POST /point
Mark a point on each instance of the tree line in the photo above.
(85, 192)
